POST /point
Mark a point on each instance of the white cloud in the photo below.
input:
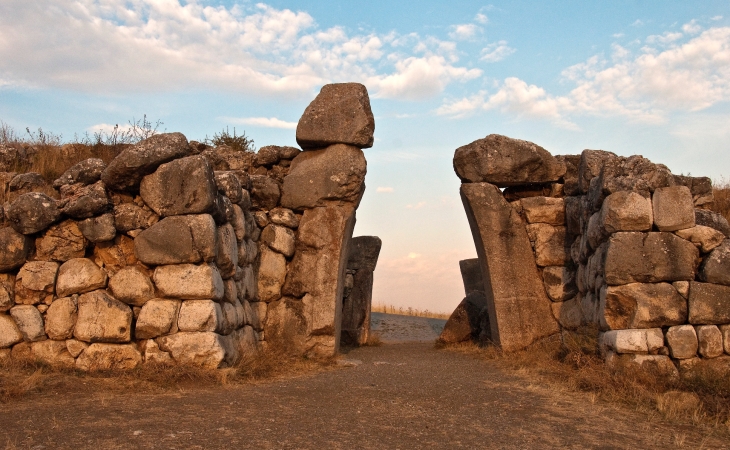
(418, 205)
(496, 51)
(665, 38)
(637, 23)
(617, 35)
(481, 18)
(716, 18)
(691, 27)
(384, 189)
(265, 122)
(463, 32)
(112, 46)
(688, 76)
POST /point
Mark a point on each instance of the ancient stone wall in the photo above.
(179, 252)
(617, 242)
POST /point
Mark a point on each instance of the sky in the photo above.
(642, 77)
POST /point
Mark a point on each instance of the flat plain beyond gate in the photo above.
(396, 396)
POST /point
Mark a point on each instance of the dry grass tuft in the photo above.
(374, 340)
(721, 193)
(573, 363)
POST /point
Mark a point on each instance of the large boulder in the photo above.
(504, 161)
(465, 322)
(640, 305)
(205, 349)
(129, 216)
(340, 114)
(334, 174)
(183, 186)
(177, 240)
(188, 281)
(265, 192)
(709, 304)
(673, 208)
(158, 317)
(29, 321)
(61, 318)
(82, 201)
(109, 357)
(61, 242)
(32, 212)
(125, 172)
(16, 248)
(716, 266)
(79, 275)
(9, 332)
(99, 229)
(85, 172)
(131, 286)
(102, 318)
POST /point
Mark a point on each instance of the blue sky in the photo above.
(646, 77)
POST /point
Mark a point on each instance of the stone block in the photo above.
(626, 211)
(568, 313)
(109, 357)
(188, 281)
(81, 202)
(648, 258)
(229, 185)
(29, 321)
(265, 192)
(709, 338)
(158, 317)
(61, 242)
(716, 266)
(713, 220)
(7, 291)
(334, 174)
(182, 186)
(549, 244)
(239, 223)
(464, 324)
(178, 240)
(340, 114)
(128, 217)
(544, 210)
(278, 238)
(125, 172)
(61, 318)
(227, 255)
(559, 283)
(632, 341)
(590, 166)
(52, 353)
(85, 172)
(98, 229)
(284, 217)
(639, 305)
(657, 364)
(102, 318)
(75, 348)
(35, 282)
(364, 252)
(709, 304)
(113, 255)
(131, 286)
(471, 275)
(16, 248)
(272, 274)
(79, 275)
(32, 212)
(204, 349)
(704, 238)
(682, 341)
(725, 330)
(10, 334)
(200, 315)
(673, 208)
(504, 161)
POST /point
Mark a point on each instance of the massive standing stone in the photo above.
(519, 309)
(129, 167)
(188, 281)
(709, 304)
(639, 305)
(85, 172)
(102, 318)
(505, 162)
(362, 259)
(32, 212)
(634, 257)
(334, 174)
(471, 275)
(177, 240)
(340, 114)
(716, 266)
(183, 186)
(16, 248)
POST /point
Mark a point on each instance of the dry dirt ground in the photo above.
(398, 396)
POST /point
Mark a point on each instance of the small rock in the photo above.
(272, 274)
(682, 341)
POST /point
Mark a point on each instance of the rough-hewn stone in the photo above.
(188, 281)
(709, 338)
(465, 322)
(52, 353)
(61, 242)
(113, 255)
(519, 309)
(81, 201)
(32, 212)
(272, 274)
(265, 192)
(544, 210)
(284, 217)
(129, 216)
(35, 282)
(673, 208)
(227, 255)
(109, 357)
(98, 229)
(16, 248)
(125, 172)
(709, 304)
(639, 305)
(200, 315)
(85, 172)
(157, 318)
(229, 185)
(559, 283)
(626, 211)
(79, 275)
(279, 239)
(29, 321)
(632, 341)
(9, 332)
(183, 186)
(682, 341)
(177, 240)
(7, 291)
(716, 266)
(503, 161)
(549, 244)
(340, 114)
(568, 313)
(713, 220)
(205, 349)
(61, 318)
(336, 173)
(704, 238)
(102, 318)
(131, 286)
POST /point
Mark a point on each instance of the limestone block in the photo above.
(549, 243)
(200, 315)
(713, 220)
(16, 248)
(503, 161)
(258, 315)
(32, 212)
(559, 283)
(182, 186)
(340, 114)
(202, 349)
(102, 318)
(704, 238)
(129, 216)
(61, 242)
(239, 223)
(336, 173)
(272, 274)
(658, 364)
(79, 275)
(544, 210)
(709, 304)
(279, 239)
(29, 321)
(364, 252)
(228, 184)
(709, 338)
(177, 240)
(639, 305)
(52, 353)
(129, 167)
(648, 258)
(626, 211)
(284, 217)
(716, 266)
(227, 255)
(682, 341)
(61, 318)
(265, 192)
(131, 286)
(85, 172)
(673, 208)
(109, 357)
(519, 309)
(75, 348)
(98, 229)
(157, 318)
(35, 282)
(632, 341)
(81, 201)
(568, 313)
(10, 334)
(113, 255)
(471, 273)
(188, 281)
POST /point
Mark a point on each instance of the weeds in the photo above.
(410, 311)
(241, 143)
(721, 193)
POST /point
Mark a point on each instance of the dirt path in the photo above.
(397, 396)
